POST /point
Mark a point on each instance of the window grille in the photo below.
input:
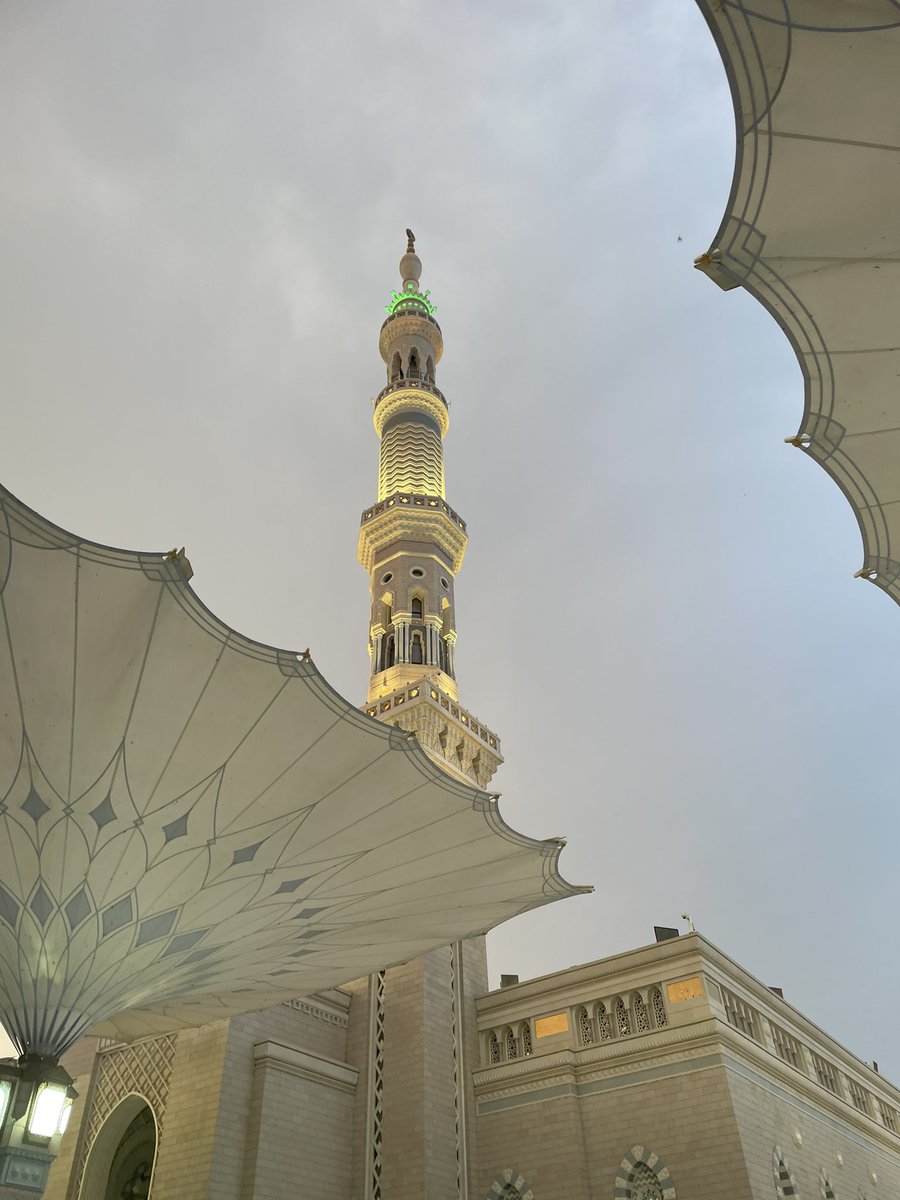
(860, 1097)
(888, 1117)
(623, 1020)
(786, 1047)
(739, 1014)
(641, 1019)
(512, 1050)
(826, 1074)
(659, 1008)
(495, 1048)
(604, 1020)
(643, 1183)
(586, 1026)
(527, 1044)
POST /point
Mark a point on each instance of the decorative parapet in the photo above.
(454, 711)
(400, 323)
(413, 500)
(409, 516)
(608, 1009)
(628, 1014)
(404, 394)
(449, 733)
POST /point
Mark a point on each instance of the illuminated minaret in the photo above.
(412, 544)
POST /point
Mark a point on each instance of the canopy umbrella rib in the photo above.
(812, 230)
(194, 824)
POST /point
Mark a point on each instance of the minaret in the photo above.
(416, 1092)
(412, 544)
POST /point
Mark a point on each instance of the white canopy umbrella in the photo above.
(194, 824)
(812, 229)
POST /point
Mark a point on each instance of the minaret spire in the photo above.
(412, 544)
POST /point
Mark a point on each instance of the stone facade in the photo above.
(673, 1056)
(662, 1073)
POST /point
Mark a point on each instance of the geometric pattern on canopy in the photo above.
(193, 824)
(812, 230)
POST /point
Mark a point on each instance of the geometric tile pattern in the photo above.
(194, 824)
(643, 1176)
(373, 1188)
(144, 1068)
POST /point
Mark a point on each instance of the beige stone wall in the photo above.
(234, 1142)
(571, 1149)
(475, 982)
(541, 1142)
(184, 1156)
(358, 1056)
(79, 1062)
(768, 1115)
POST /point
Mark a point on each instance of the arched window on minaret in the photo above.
(415, 654)
(388, 651)
(416, 607)
(442, 650)
(414, 364)
(396, 367)
(429, 369)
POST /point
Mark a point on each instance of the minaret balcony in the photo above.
(404, 323)
(418, 394)
(409, 516)
(448, 733)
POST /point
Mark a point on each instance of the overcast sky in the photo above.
(201, 211)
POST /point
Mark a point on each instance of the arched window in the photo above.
(416, 607)
(509, 1185)
(659, 1008)
(512, 1049)
(585, 1027)
(494, 1048)
(604, 1022)
(429, 369)
(413, 364)
(643, 1183)
(396, 368)
(388, 651)
(415, 655)
(527, 1044)
(826, 1191)
(623, 1020)
(641, 1018)
(785, 1184)
(644, 1176)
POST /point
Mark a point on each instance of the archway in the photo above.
(120, 1162)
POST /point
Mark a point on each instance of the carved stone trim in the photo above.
(321, 1011)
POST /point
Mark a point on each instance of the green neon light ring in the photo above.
(417, 299)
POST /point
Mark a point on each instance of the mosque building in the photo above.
(664, 1073)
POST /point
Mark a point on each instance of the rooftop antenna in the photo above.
(686, 916)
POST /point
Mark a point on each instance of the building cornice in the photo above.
(305, 1065)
